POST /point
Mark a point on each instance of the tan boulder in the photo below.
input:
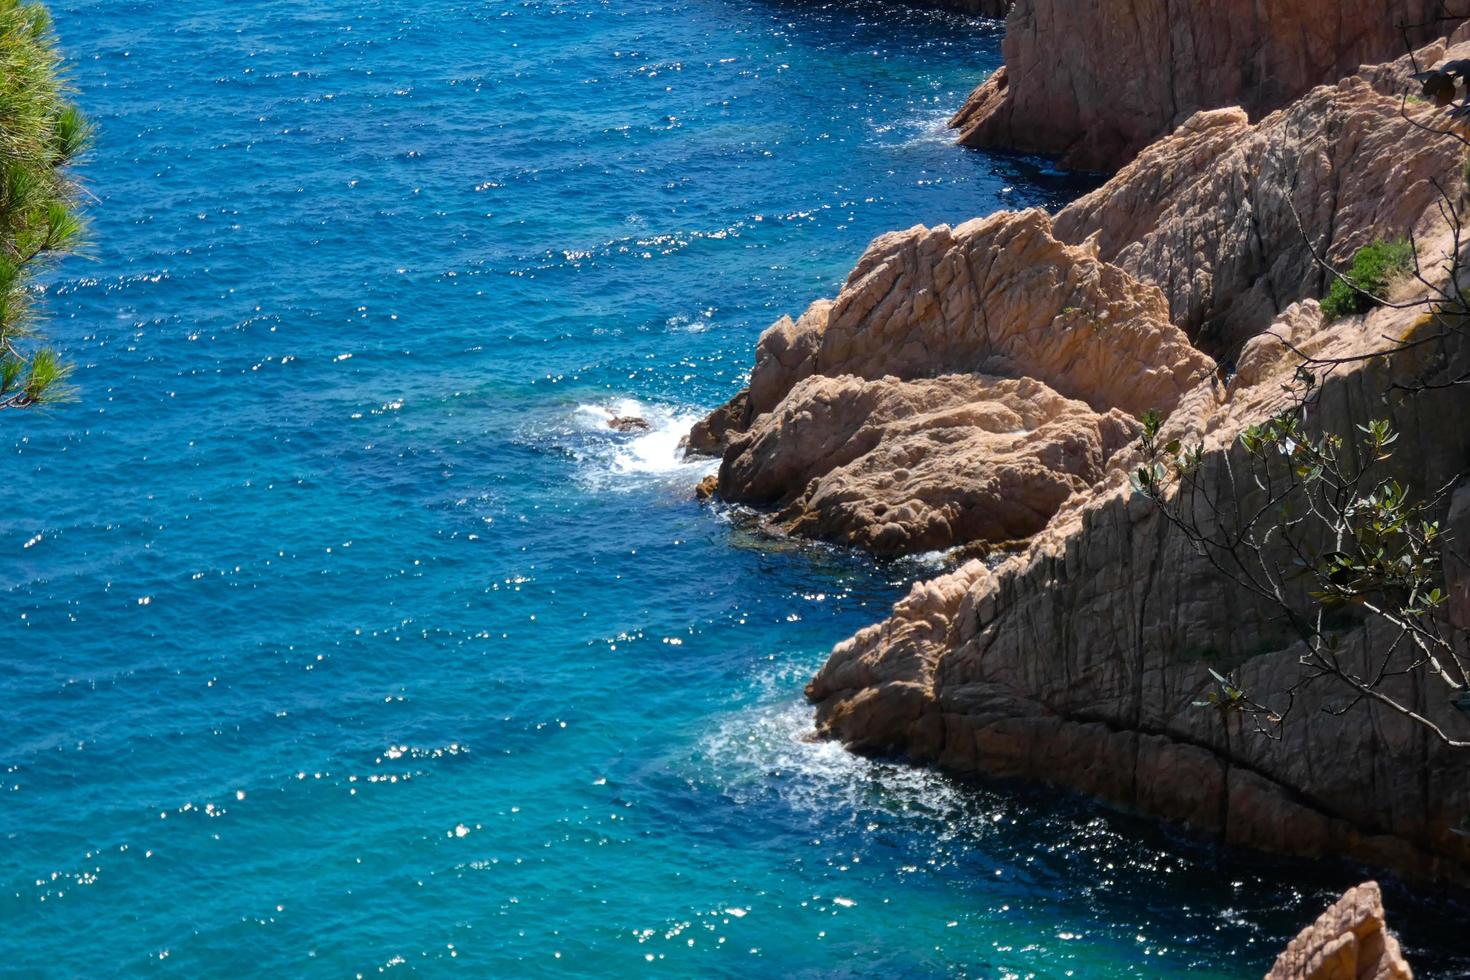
(998, 295)
(1002, 295)
(884, 419)
(1350, 941)
(898, 467)
(1095, 82)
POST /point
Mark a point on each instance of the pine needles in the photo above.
(41, 133)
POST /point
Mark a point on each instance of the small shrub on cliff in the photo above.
(1374, 269)
(1311, 523)
(1306, 517)
(40, 134)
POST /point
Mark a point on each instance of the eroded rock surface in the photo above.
(1078, 661)
(898, 467)
(878, 418)
(1350, 941)
(1225, 217)
(1095, 82)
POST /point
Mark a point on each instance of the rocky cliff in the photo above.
(1225, 216)
(1094, 82)
(1079, 660)
(978, 385)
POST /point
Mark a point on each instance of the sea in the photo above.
(342, 636)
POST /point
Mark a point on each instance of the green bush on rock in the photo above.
(1374, 269)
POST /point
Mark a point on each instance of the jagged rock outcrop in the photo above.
(999, 295)
(1078, 661)
(845, 399)
(1225, 217)
(1093, 83)
(898, 467)
(1079, 658)
(1350, 941)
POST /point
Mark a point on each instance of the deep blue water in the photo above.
(341, 636)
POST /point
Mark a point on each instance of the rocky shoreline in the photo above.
(979, 388)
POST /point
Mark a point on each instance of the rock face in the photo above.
(1078, 660)
(1224, 216)
(1000, 295)
(1350, 941)
(881, 418)
(979, 384)
(1093, 83)
(899, 417)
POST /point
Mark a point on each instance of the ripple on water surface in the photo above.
(344, 636)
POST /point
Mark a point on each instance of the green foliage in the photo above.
(1227, 696)
(1149, 478)
(41, 133)
(1311, 523)
(1374, 269)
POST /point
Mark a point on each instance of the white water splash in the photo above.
(652, 453)
(929, 126)
(770, 750)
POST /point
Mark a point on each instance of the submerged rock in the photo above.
(1350, 941)
(628, 423)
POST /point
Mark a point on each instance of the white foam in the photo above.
(652, 453)
(746, 748)
(930, 126)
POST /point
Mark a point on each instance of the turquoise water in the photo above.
(344, 638)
